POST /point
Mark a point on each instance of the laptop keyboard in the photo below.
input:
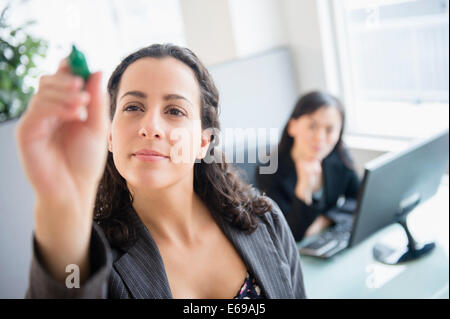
(329, 242)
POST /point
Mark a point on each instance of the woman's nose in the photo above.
(151, 126)
(320, 135)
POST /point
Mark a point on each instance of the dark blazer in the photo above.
(339, 180)
(270, 254)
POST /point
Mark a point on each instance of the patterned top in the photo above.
(250, 289)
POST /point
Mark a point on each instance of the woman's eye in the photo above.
(132, 108)
(176, 112)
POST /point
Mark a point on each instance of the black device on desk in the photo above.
(393, 185)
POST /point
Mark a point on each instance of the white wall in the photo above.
(208, 30)
(223, 30)
(304, 36)
(258, 25)
(16, 217)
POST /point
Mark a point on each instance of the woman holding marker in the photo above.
(112, 199)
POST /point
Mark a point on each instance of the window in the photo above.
(394, 65)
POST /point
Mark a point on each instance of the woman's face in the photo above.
(316, 134)
(156, 130)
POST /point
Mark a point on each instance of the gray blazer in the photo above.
(270, 254)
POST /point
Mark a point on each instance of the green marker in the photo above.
(78, 64)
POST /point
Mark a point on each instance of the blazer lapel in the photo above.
(142, 268)
(262, 259)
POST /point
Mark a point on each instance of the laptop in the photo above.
(393, 185)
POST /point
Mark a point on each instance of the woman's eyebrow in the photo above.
(312, 120)
(175, 97)
(138, 94)
(166, 97)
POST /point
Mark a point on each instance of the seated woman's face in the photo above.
(316, 134)
(157, 109)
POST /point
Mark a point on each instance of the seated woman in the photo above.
(159, 221)
(314, 168)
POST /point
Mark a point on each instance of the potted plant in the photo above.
(18, 54)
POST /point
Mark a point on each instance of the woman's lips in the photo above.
(150, 157)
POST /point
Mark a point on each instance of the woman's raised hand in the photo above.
(63, 154)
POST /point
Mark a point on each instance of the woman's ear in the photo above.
(291, 127)
(110, 141)
(204, 146)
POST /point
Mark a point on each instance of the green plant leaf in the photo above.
(14, 93)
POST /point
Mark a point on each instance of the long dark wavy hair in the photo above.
(217, 184)
(308, 104)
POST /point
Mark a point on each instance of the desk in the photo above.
(354, 273)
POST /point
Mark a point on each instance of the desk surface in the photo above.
(354, 273)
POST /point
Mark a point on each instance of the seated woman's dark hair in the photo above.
(308, 104)
(217, 184)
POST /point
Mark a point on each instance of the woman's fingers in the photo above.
(69, 100)
(61, 95)
(313, 166)
(62, 82)
(61, 98)
(49, 109)
(97, 108)
(63, 67)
